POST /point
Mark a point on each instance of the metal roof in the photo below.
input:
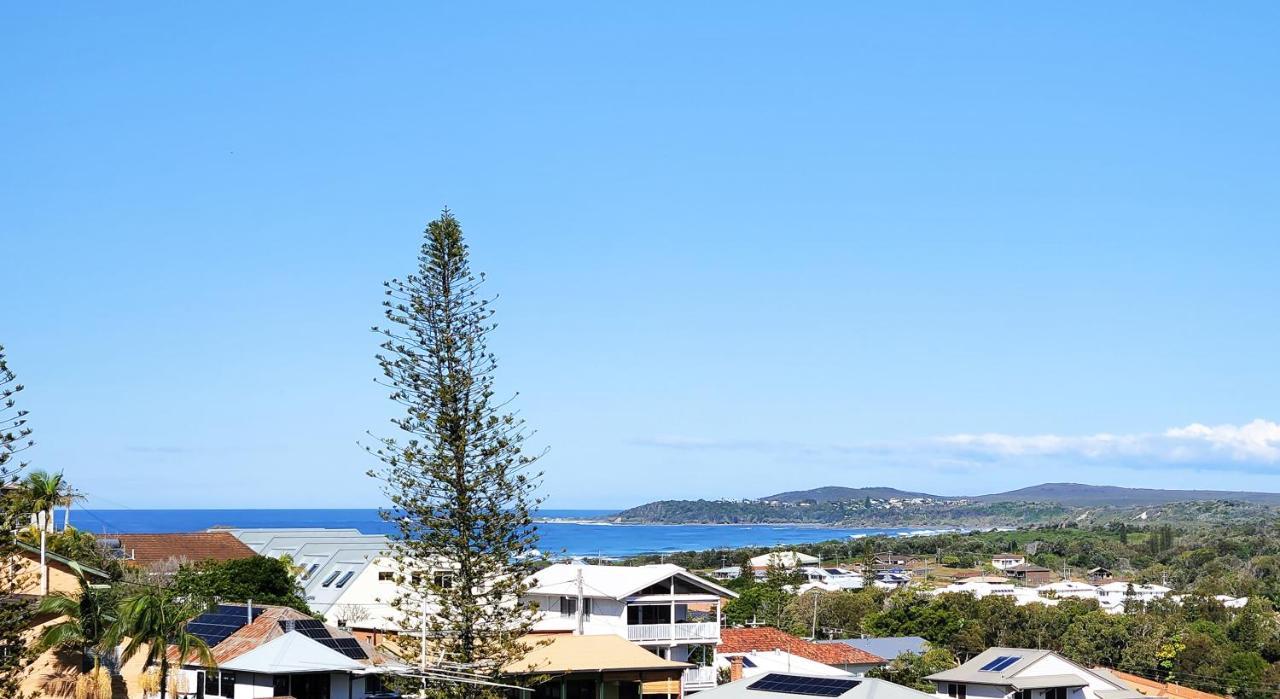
(867, 688)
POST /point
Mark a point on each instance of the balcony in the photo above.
(680, 632)
(699, 678)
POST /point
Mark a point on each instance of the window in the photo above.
(329, 580)
(210, 684)
(586, 608)
(956, 691)
(386, 576)
(1022, 694)
(346, 578)
(568, 606)
(1056, 693)
(443, 580)
(280, 685)
(228, 684)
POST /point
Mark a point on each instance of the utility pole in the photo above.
(579, 605)
(813, 632)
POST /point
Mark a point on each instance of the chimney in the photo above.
(735, 668)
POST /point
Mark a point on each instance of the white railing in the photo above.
(699, 677)
(700, 631)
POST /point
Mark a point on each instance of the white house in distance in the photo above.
(1005, 561)
(787, 560)
(830, 579)
(664, 608)
(1023, 673)
(1113, 595)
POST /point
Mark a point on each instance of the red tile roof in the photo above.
(146, 549)
(767, 638)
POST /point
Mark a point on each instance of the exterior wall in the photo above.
(976, 691)
(608, 616)
(1053, 665)
(367, 595)
(27, 576)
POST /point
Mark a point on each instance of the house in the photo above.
(748, 642)
(1113, 595)
(1155, 688)
(348, 578)
(790, 685)
(168, 552)
(1099, 575)
(1030, 574)
(727, 573)
(787, 560)
(269, 651)
(892, 580)
(888, 560)
(888, 647)
(830, 579)
(762, 662)
(1023, 673)
(591, 666)
(664, 608)
(1006, 561)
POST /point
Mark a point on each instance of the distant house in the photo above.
(888, 560)
(1030, 574)
(1006, 561)
(892, 580)
(663, 608)
(750, 642)
(790, 685)
(1024, 673)
(1099, 575)
(787, 560)
(1069, 588)
(267, 651)
(167, 552)
(727, 573)
(593, 666)
(830, 579)
(888, 647)
(1113, 595)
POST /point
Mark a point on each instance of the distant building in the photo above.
(998, 673)
(596, 666)
(1098, 576)
(830, 579)
(1030, 574)
(764, 639)
(727, 573)
(1006, 561)
(787, 560)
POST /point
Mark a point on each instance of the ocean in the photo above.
(561, 532)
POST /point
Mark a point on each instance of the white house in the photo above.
(787, 560)
(727, 573)
(1069, 588)
(664, 608)
(1113, 595)
(761, 662)
(1023, 673)
(1006, 561)
(830, 579)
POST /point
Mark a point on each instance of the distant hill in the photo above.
(1081, 495)
(837, 493)
(1039, 504)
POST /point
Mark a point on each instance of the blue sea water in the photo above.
(561, 532)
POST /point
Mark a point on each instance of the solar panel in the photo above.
(1000, 663)
(214, 626)
(1008, 661)
(807, 686)
(314, 629)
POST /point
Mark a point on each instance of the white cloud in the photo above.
(1252, 447)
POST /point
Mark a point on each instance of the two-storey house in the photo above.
(664, 608)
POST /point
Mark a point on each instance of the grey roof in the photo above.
(867, 688)
(887, 648)
(970, 672)
(325, 555)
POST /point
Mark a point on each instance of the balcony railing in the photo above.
(700, 678)
(698, 631)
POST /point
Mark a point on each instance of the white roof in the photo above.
(864, 688)
(780, 661)
(292, 652)
(612, 582)
(790, 559)
(1067, 586)
(1121, 586)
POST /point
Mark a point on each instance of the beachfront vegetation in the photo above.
(460, 486)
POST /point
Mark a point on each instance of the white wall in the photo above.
(1053, 665)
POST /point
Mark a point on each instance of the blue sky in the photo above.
(739, 248)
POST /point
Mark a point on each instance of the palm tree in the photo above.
(85, 621)
(150, 621)
(41, 492)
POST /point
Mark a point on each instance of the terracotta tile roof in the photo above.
(146, 549)
(1161, 689)
(767, 638)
